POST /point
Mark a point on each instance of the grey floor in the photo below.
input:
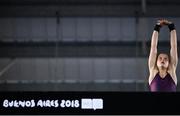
(117, 87)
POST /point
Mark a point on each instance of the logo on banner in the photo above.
(91, 104)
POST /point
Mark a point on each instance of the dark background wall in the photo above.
(80, 45)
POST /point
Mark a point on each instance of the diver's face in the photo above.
(162, 61)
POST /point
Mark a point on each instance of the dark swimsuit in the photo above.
(165, 84)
